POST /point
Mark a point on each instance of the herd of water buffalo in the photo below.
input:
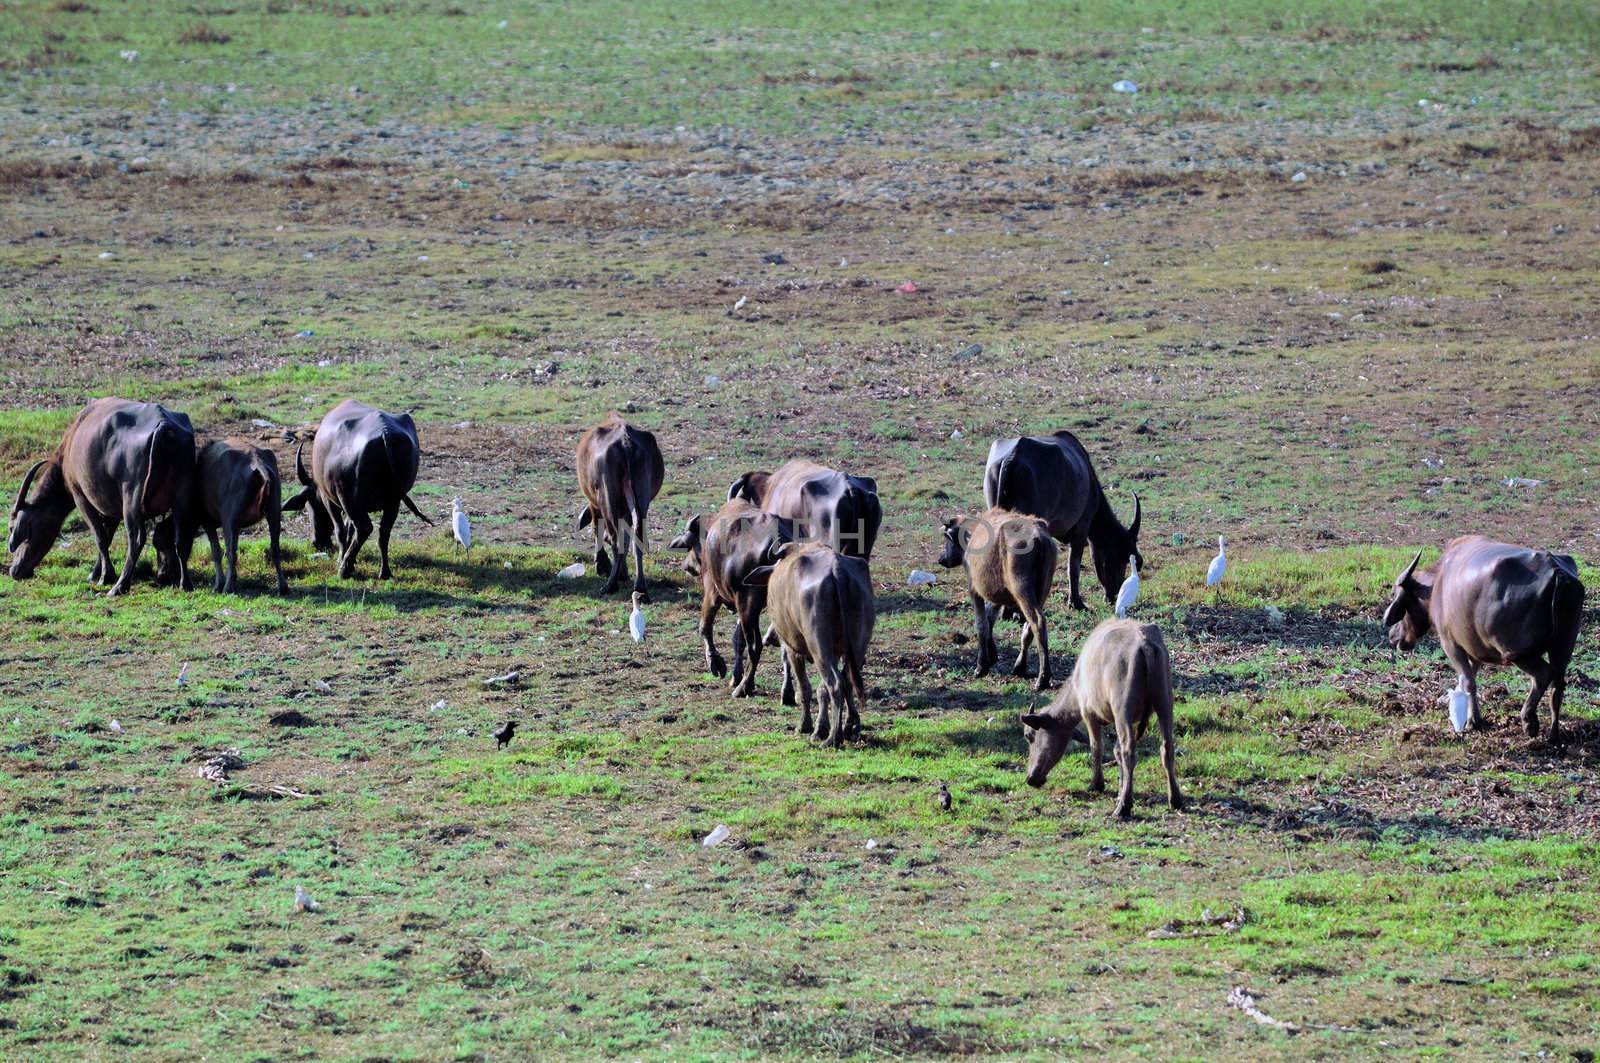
(794, 543)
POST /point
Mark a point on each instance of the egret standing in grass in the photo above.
(1129, 592)
(1219, 566)
(458, 522)
(636, 620)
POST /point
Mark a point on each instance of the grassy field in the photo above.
(1326, 285)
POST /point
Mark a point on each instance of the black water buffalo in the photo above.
(620, 471)
(236, 486)
(1052, 478)
(1494, 603)
(826, 505)
(362, 460)
(118, 460)
(723, 549)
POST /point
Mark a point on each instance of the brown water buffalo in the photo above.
(1122, 678)
(823, 613)
(1494, 603)
(723, 549)
(1010, 561)
(236, 486)
(119, 460)
(362, 460)
(1052, 478)
(620, 470)
(826, 505)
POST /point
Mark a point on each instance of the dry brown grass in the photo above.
(203, 33)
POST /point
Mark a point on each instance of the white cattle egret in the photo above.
(572, 571)
(636, 621)
(303, 901)
(116, 728)
(458, 523)
(1219, 565)
(1460, 709)
(1129, 592)
(183, 674)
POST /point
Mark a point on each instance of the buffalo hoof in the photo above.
(787, 698)
(1175, 803)
(717, 667)
(746, 689)
(806, 727)
(980, 671)
(283, 588)
(1043, 683)
(1078, 603)
(117, 590)
(602, 566)
(1124, 812)
(1531, 725)
(1021, 671)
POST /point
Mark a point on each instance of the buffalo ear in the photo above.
(1037, 720)
(1396, 610)
(759, 577)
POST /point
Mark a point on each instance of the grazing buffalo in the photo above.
(1051, 477)
(1494, 603)
(119, 460)
(619, 472)
(1123, 676)
(362, 460)
(823, 612)
(1010, 561)
(723, 550)
(236, 487)
(827, 506)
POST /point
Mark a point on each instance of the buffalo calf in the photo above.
(823, 613)
(723, 549)
(1010, 561)
(1122, 678)
(236, 487)
(620, 470)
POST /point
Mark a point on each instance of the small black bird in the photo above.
(944, 796)
(505, 734)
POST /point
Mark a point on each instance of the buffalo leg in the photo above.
(385, 526)
(217, 582)
(1034, 617)
(833, 690)
(1539, 672)
(1097, 775)
(620, 568)
(1467, 669)
(807, 695)
(737, 679)
(1558, 690)
(133, 525)
(749, 633)
(1125, 759)
(1074, 563)
(708, 620)
(103, 528)
(636, 537)
(230, 538)
(1169, 757)
(786, 696)
(602, 563)
(363, 531)
(274, 532)
(855, 691)
(985, 625)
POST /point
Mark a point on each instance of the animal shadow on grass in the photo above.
(1349, 821)
(910, 603)
(1300, 628)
